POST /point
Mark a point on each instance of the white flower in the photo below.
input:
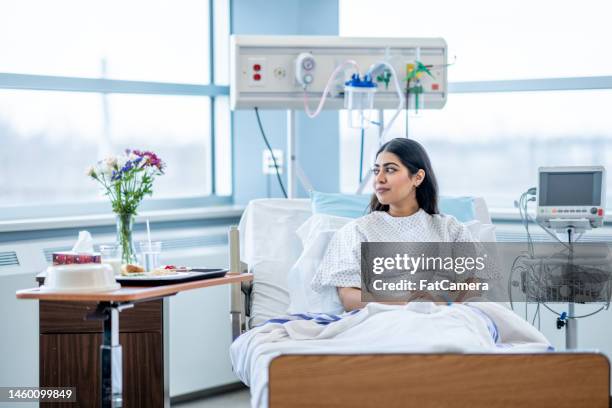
(91, 171)
(110, 161)
(106, 169)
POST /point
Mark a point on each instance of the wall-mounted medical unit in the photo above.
(287, 72)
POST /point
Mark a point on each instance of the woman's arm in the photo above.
(351, 298)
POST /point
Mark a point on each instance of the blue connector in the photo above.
(562, 320)
(357, 82)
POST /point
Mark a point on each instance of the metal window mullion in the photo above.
(99, 85)
(213, 127)
(532, 85)
(232, 138)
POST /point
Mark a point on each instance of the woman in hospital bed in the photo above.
(404, 208)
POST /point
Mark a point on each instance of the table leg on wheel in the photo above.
(111, 361)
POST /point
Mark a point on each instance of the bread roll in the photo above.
(131, 268)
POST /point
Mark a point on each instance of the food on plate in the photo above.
(175, 268)
(131, 268)
(163, 272)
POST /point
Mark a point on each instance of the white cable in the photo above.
(386, 129)
(330, 81)
(400, 95)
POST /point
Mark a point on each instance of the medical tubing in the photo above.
(330, 81)
(406, 106)
(512, 271)
(263, 135)
(528, 218)
(535, 315)
(523, 203)
(361, 155)
(400, 95)
(525, 218)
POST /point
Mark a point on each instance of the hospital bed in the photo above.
(270, 245)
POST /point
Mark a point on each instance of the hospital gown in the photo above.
(341, 265)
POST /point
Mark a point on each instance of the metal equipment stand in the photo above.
(381, 129)
(294, 171)
(111, 378)
(571, 325)
(571, 329)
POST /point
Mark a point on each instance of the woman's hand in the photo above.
(351, 299)
(426, 296)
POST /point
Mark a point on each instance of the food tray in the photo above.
(146, 279)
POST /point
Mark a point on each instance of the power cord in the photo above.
(606, 307)
(522, 205)
(263, 135)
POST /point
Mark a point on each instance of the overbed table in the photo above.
(108, 306)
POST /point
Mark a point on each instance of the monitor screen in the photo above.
(570, 189)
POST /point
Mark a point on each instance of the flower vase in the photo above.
(125, 222)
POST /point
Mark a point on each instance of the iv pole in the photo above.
(294, 171)
(571, 325)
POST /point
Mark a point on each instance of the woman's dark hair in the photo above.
(414, 157)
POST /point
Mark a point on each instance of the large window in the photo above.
(79, 82)
(499, 125)
(143, 40)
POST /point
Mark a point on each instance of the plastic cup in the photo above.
(111, 255)
(149, 254)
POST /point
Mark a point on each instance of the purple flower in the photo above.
(128, 166)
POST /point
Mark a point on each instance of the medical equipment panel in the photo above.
(281, 72)
(571, 196)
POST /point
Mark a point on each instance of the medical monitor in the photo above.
(571, 196)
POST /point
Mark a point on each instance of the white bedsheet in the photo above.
(416, 327)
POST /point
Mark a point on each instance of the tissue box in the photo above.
(67, 258)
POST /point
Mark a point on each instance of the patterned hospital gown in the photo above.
(341, 265)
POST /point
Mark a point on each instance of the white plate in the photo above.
(149, 276)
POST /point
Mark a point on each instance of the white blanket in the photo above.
(378, 328)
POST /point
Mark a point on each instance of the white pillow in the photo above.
(270, 246)
(481, 232)
(474, 228)
(308, 231)
(315, 234)
(487, 233)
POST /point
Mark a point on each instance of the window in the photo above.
(85, 83)
(496, 40)
(141, 40)
(491, 143)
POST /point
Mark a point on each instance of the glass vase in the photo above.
(125, 222)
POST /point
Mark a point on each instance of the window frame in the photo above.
(581, 83)
(528, 85)
(17, 81)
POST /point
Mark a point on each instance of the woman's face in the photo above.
(393, 182)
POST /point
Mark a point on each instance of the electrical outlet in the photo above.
(268, 163)
(257, 71)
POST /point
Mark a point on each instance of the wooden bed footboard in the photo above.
(571, 380)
